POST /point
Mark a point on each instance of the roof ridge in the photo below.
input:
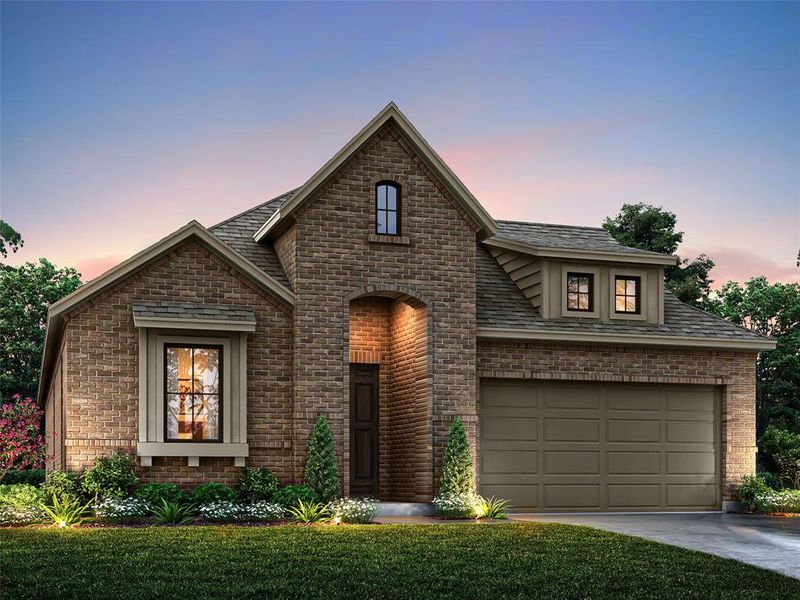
(249, 210)
(552, 225)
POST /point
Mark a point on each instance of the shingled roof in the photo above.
(570, 237)
(238, 232)
(190, 310)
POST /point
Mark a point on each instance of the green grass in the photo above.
(487, 561)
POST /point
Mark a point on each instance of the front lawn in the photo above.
(492, 561)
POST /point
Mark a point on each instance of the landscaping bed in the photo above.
(525, 560)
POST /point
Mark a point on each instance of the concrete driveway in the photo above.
(767, 542)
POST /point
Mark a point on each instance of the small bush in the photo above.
(221, 511)
(20, 504)
(262, 511)
(457, 506)
(67, 513)
(173, 513)
(322, 470)
(257, 483)
(29, 476)
(492, 508)
(154, 493)
(313, 512)
(212, 492)
(779, 453)
(111, 476)
(290, 495)
(782, 501)
(458, 477)
(64, 485)
(354, 510)
(121, 510)
(751, 488)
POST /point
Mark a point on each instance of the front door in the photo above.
(364, 430)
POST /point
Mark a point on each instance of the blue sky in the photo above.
(112, 114)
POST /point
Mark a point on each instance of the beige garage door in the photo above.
(549, 446)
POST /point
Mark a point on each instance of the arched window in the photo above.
(387, 208)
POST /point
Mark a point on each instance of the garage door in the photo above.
(549, 446)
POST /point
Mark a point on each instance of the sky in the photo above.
(120, 122)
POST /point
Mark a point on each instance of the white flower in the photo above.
(354, 510)
(121, 508)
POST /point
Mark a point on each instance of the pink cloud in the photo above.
(92, 267)
(739, 265)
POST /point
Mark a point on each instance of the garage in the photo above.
(561, 446)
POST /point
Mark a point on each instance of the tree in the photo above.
(10, 239)
(458, 476)
(652, 228)
(25, 294)
(21, 444)
(322, 470)
(772, 310)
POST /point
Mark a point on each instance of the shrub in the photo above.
(290, 495)
(212, 492)
(783, 501)
(173, 513)
(21, 443)
(751, 488)
(29, 476)
(262, 511)
(322, 470)
(456, 506)
(354, 510)
(64, 485)
(458, 477)
(492, 508)
(220, 511)
(121, 510)
(20, 504)
(257, 483)
(312, 512)
(779, 453)
(66, 513)
(111, 477)
(154, 493)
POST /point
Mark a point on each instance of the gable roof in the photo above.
(192, 230)
(503, 312)
(570, 241)
(277, 221)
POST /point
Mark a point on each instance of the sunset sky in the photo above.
(121, 122)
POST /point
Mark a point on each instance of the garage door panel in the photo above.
(634, 463)
(634, 496)
(572, 430)
(600, 446)
(571, 496)
(565, 463)
(510, 428)
(625, 430)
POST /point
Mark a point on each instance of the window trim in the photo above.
(641, 274)
(590, 280)
(637, 297)
(220, 387)
(398, 211)
(581, 269)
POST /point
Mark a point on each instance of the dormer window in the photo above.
(580, 292)
(387, 208)
(627, 294)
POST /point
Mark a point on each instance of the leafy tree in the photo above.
(458, 476)
(779, 453)
(773, 310)
(21, 444)
(322, 470)
(10, 239)
(25, 294)
(652, 228)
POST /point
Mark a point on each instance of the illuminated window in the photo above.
(387, 208)
(580, 292)
(627, 294)
(193, 389)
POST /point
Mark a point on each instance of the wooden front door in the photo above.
(364, 430)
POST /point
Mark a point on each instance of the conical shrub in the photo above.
(322, 470)
(457, 474)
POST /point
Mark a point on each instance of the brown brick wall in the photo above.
(335, 259)
(286, 249)
(734, 371)
(102, 371)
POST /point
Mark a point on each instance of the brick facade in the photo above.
(734, 371)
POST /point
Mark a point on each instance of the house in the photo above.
(381, 294)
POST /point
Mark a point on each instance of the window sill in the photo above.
(400, 240)
(192, 450)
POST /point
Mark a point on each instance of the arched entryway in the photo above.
(389, 395)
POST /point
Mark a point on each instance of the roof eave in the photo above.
(635, 339)
(580, 254)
